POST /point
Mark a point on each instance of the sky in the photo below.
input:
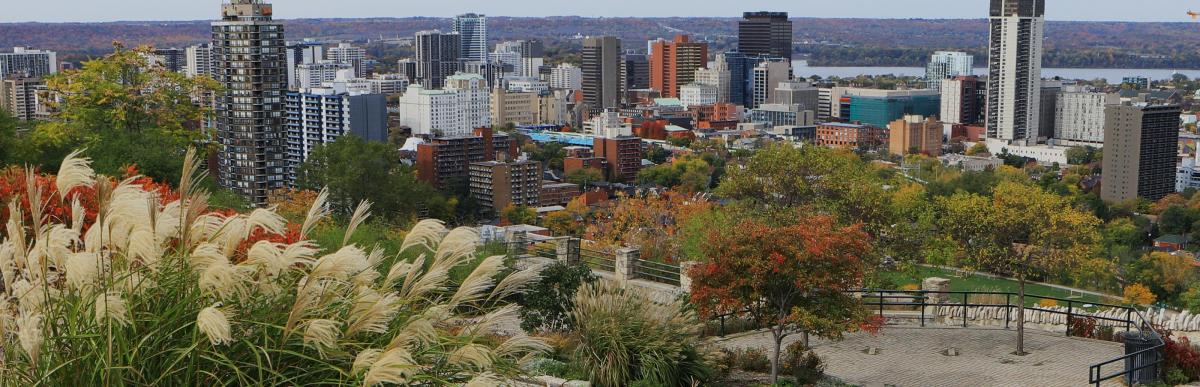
(158, 10)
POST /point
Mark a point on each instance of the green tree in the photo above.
(547, 304)
(1177, 220)
(355, 170)
(1021, 230)
(584, 177)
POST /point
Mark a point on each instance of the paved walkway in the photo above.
(912, 356)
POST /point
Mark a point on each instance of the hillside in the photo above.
(870, 42)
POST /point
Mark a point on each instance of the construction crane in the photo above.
(1194, 15)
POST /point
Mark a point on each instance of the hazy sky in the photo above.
(110, 10)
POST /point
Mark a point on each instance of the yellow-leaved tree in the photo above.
(1022, 231)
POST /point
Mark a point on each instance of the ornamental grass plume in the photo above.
(131, 283)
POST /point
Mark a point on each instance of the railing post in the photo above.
(566, 250)
(722, 332)
(881, 304)
(964, 315)
(1007, 309)
(1070, 310)
(923, 301)
(625, 265)
(1128, 319)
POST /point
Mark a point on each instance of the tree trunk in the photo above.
(778, 336)
(1020, 316)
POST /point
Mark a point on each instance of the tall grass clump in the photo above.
(159, 290)
(625, 337)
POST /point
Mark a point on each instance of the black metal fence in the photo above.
(1082, 319)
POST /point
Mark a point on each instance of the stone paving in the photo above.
(913, 356)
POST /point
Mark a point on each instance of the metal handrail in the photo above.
(1095, 372)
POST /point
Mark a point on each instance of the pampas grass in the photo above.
(166, 293)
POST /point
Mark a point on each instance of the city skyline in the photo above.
(152, 10)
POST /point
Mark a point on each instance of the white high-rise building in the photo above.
(1079, 117)
(28, 62)
(716, 75)
(766, 77)
(317, 74)
(947, 64)
(510, 60)
(306, 52)
(199, 60)
(349, 54)
(1015, 70)
(463, 105)
(567, 77)
(321, 115)
(530, 56)
(472, 28)
(695, 94)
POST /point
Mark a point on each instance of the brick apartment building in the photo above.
(442, 161)
(498, 184)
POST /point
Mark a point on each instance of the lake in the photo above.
(802, 69)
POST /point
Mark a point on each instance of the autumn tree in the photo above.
(792, 278)
(781, 178)
(1021, 231)
(1166, 274)
(125, 111)
(650, 222)
(519, 214)
(1138, 294)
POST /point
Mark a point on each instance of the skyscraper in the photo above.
(718, 76)
(349, 54)
(472, 29)
(28, 62)
(963, 99)
(637, 71)
(1140, 143)
(530, 55)
(437, 57)
(199, 60)
(765, 34)
(765, 77)
(301, 54)
(947, 64)
(248, 48)
(171, 59)
(1015, 70)
(673, 64)
(601, 72)
(1079, 116)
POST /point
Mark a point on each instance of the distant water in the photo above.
(802, 69)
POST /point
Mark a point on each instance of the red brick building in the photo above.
(623, 155)
(674, 63)
(445, 160)
(558, 194)
(850, 136)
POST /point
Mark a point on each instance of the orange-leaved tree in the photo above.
(792, 278)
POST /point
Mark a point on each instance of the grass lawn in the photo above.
(981, 283)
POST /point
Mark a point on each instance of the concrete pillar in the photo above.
(685, 279)
(935, 284)
(626, 263)
(567, 250)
